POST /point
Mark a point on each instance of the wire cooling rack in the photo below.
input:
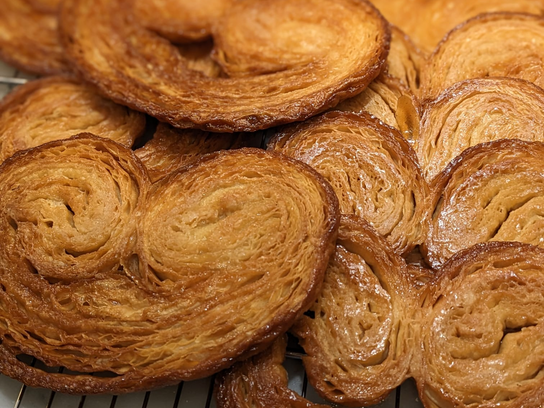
(193, 394)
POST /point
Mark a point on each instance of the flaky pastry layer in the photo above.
(100, 272)
(277, 75)
(59, 107)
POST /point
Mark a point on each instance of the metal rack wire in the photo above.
(194, 394)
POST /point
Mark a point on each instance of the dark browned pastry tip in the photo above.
(358, 337)
(371, 167)
(489, 45)
(29, 38)
(172, 148)
(180, 21)
(477, 111)
(101, 273)
(483, 329)
(491, 192)
(387, 99)
(259, 382)
(59, 107)
(277, 75)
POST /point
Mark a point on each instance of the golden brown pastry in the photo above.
(29, 38)
(436, 17)
(372, 169)
(46, 6)
(172, 148)
(490, 45)
(477, 111)
(405, 60)
(389, 100)
(492, 192)
(358, 339)
(59, 107)
(180, 20)
(278, 74)
(100, 273)
(482, 337)
(259, 382)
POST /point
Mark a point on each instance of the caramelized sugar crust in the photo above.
(478, 111)
(276, 73)
(358, 339)
(100, 272)
(59, 107)
(29, 38)
(492, 192)
(372, 169)
(481, 337)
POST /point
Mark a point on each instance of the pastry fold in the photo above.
(102, 272)
(357, 338)
(259, 382)
(492, 192)
(489, 45)
(172, 148)
(29, 38)
(59, 107)
(371, 167)
(276, 75)
(477, 111)
(483, 330)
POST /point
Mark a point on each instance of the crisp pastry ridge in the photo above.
(29, 38)
(272, 80)
(389, 100)
(259, 382)
(358, 338)
(371, 167)
(491, 192)
(489, 45)
(59, 107)
(92, 289)
(172, 148)
(481, 337)
(477, 111)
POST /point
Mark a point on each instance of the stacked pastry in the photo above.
(161, 248)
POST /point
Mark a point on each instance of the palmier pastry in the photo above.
(389, 100)
(172, 148)
(29, 38)
(483, 332)
(180, 20)
(357, 338)
(98, 273)
(259, 382)
(404, 60)
(492, 192)
(276, 75)
(437, 17)
(371, 167)
(490, 45)
(477, 111)
(59, 107)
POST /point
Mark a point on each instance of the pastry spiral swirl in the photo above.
(172, 148)
(276, 75)
(372, 169)
(59, 107)
(478, 111)
(490, 45)
(358, 341)
(259, 382)
(482, 334)
(492, 192)
(99, 272)
(29, 38)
